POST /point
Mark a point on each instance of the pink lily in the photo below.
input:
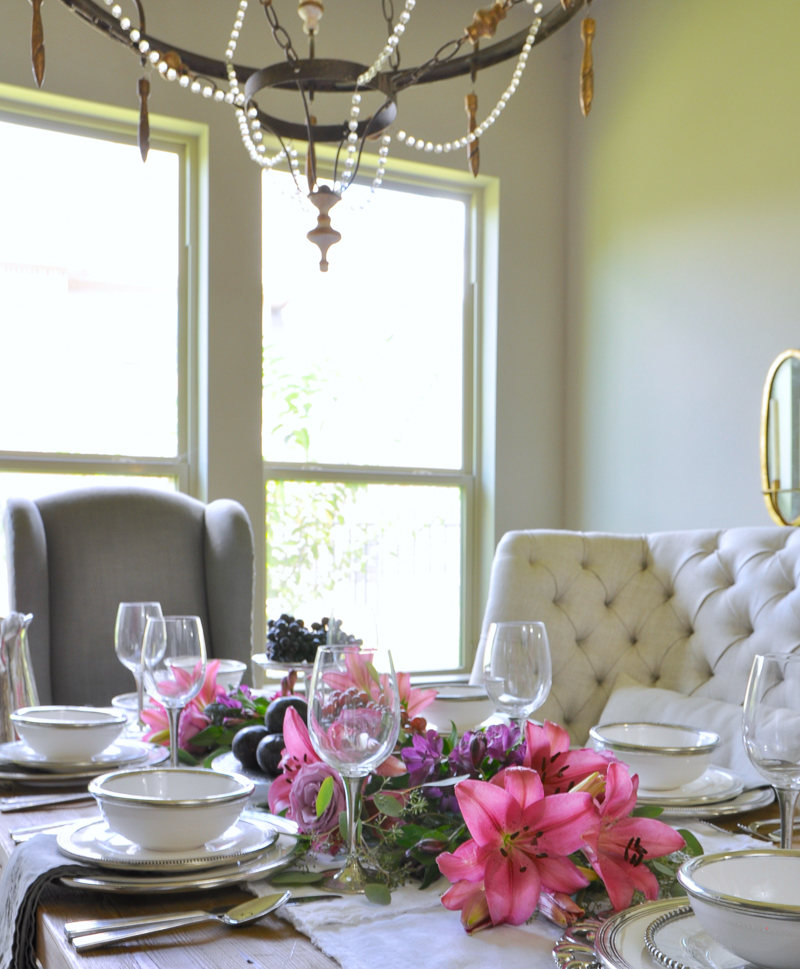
(470, 899)
(559, 767)
(617, 846)
(559, 908)
(297, 753)
(412, 699)
(520, 842)
(192, 719)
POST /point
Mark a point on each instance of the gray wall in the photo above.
(683, 281)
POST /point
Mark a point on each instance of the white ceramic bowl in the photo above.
(749, 901)
(67, 734)
(464, 705)
(664, 755)
(229, 674)
(170, 809)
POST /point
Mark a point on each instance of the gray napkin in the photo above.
(33, 865)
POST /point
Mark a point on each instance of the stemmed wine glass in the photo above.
(128, 636)
(516, 668)
(170, 645)
(771, 729)
(353, 722)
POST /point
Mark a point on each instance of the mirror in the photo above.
(780, 439)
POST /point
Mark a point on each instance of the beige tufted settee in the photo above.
(681, 611)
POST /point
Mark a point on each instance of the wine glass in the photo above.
(516, 668)
(353, 722)
(128, 636)
(771, 729)
(169, 643)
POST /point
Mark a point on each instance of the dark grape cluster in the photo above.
(289, 641)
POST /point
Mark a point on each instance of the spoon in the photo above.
(98, 932)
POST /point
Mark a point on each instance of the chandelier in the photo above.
(246, 89)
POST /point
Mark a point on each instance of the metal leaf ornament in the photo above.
(37, 42)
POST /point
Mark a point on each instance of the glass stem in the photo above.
(174, 716)
(787, 799)
(137, 675)
(352, 790)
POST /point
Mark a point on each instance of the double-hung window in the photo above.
(96, 323)
(368, 413)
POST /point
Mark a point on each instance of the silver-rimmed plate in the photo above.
(716, 784)
(751, 800)
(12, 774)
(676, 940)
(143, 883)
(617, 943)
(94, 843)
(122, 753)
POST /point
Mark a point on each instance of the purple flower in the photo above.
(229, 700)
(469, 753)
(422, 756)
(303, 799)
(499, 741)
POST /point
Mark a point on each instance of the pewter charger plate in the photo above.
(16, 776)
(143, 883)
(677, 941)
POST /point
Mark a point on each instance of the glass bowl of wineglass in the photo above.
(516, 668)
(771, 729)
(174, 667)
(128, 636)
(353, 723)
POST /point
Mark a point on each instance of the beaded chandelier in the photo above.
(244, 87)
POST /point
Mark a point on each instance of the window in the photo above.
(94, 318)
(367, 413)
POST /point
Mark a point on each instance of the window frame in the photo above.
(480, 195)
(189, 140)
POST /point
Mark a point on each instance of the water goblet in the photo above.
(516, 668)
(128, 637)
(169, 643)
(771, 729)
(353, 722)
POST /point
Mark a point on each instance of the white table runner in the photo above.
(416, 930)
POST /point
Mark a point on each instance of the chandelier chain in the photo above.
(388, 16)
(281, 37)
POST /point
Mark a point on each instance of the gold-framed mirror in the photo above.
(780, 439)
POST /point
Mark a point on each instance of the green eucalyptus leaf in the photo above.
(385, 803)
(343, 825)
(664, 869)
(693, 846)
(432, 874)
(294, 876)
(378, 894)
(647, 811)
(214, 754)
(324, 796)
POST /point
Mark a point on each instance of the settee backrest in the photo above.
(684, 611)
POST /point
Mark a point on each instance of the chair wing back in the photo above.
(684, 611)
(75, 556)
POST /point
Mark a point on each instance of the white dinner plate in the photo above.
(678, 941)
(137, 882)
(17, 776)
(750, 800)
(93, 842)
(123, 753)
(716, 784)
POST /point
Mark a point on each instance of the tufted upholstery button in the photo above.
(607, 603)
(634, 640)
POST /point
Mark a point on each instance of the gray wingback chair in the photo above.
(74, 556)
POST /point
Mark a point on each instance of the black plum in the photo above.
(268, 753)
(245, 744)
(276, 712)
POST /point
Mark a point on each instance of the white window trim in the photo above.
(190, 140)
(476, 476)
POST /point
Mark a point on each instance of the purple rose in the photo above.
(303, 799)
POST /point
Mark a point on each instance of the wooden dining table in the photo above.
(270, 943)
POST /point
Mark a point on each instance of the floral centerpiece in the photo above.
(518, 823)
